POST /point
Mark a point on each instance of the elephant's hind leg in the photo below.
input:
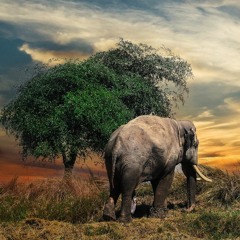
(129, 181)
(109, 211)
(109, 208)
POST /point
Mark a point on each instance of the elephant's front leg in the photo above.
(160, 188)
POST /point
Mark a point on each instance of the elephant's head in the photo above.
(190, 148)
(190, 160)
(190, 152)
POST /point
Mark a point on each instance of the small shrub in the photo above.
(225, 190)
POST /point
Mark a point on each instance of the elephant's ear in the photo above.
(191, 143)
(190, 137)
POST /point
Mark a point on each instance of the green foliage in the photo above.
(65, 108)
(72, 108)
(146, 62)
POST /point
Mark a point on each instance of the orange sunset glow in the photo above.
(218, 152)
(13, 166)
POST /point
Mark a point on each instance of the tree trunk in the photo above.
(69, 161)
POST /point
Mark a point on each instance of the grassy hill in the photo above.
(53, 210)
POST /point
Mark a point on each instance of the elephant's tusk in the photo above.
(200, 174)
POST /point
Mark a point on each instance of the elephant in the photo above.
(148, 148)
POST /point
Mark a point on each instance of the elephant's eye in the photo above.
(195, 144)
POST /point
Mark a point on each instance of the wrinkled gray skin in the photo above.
(147, 149)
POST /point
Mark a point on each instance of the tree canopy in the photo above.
(72, 108)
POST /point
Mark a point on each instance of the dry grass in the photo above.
(71, 201)
(203, 225)
(224, 191)
(58, 210)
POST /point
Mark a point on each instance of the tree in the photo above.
(71, 109)
(167, 73)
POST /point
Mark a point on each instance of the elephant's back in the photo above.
(153, 126)
(148, 131)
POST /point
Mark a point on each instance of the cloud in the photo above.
(219, 140)
(231, 104)
(44, 56)
(211, 155)
(206, 34)
(211, 97)
(205, 114)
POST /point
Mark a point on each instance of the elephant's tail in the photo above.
(114, 160)
(116, 152)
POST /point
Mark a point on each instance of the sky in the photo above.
(204, 33)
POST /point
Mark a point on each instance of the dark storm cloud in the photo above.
(25, 31)
(75, 45)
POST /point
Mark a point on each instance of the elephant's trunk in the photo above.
(191, 175)
(201, 174)
(191, 191)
